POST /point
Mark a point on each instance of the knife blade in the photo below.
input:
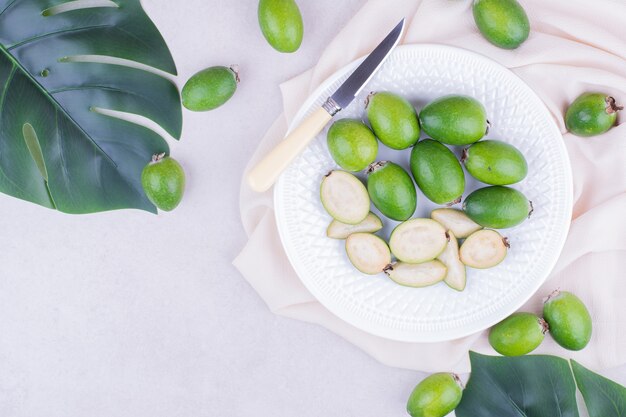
(266, 172)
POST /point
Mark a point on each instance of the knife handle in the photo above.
(266, 172)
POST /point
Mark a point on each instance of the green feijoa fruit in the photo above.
(393, 119)
(209, 88)
(338, 230)
(504, 23)
(345, 197)
(569, 320)
(497, 207)
(591, 114)
(484, 249)
(163, 181)
(416, 275)
(281, 24)
(352, 144)
(435, 396)
(518, 334)
(418, 240)
(437, 172)
(368, 253)
(495, 162)
(454, 120)
(391, 189)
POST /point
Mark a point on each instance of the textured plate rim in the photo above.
(448, 334)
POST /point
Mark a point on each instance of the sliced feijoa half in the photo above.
(416, 275)
(368, 253)
(484, 249)
(345, 197)
(455, 277)
(418, 240)
(339, 230)
(455, 221)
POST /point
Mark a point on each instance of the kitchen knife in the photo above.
(265, 173)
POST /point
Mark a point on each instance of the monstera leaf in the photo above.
(59, 146)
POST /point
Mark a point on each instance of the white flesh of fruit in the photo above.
(345, 197)
(483, 249)
(418, 240)
(455, 277)
(368, 253)
(338, 230)
(456, 221)
(417, 275)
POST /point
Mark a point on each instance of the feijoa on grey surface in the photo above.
(455, 221)
(281, 24)
(368, 253)
(392, 190)
(352, 144)
(393, 120)
(437, 172)
(484, 249)
(435, 396)
(418, 240)
(345, 197)
(417, 275)
(456, 277)
(163, 181)
(454, 120)
(339, 230)
(495, 162)
(504, 23)
(209, 88)
(518, 334)
(569, 320)
(497, 207)
(591, 114)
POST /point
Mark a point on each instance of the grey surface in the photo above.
(129, 314)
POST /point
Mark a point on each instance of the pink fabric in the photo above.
(573, 47)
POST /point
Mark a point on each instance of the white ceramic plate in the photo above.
(377, 305)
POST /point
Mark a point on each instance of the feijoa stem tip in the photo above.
(611, 105)
(552, 295)
(375, 166)
(457, 379)
(158, 157)
(235, 69)
(545, 327)
(368, 98)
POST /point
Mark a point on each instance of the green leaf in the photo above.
(56, 148)
(524, 386)
(602, 396)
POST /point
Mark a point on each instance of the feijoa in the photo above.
(345, 197)
(163, 181)
(497, 207)
(518, 334)
(416, 275)
(338, 230)
(455, 269)
(209, 88)
(393, 119)
(281, 24)
(352, 144)
(435, 396)
(591, 114)
(368, 253)
(437, 172)
(484, 249)
(454, 120)
(504, 23)
(495, 162)
(569, 320)
(455, 221)
(391, 189)
(418, 240)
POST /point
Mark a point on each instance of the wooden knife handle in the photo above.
(266, 172)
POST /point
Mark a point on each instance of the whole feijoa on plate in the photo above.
(418, 240)
(344, 197)
(518, 334)
(495, 162)
(210, 88)
(163, 181)
(435, 396)
(352, 144)
(393, 120)
(437, 172)
(281, 24)
(368, 253)
(392, 190)
(591, 114)
(484, 249)
(504, 23)
(497, 207)
(569, 320)
(454, 120)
